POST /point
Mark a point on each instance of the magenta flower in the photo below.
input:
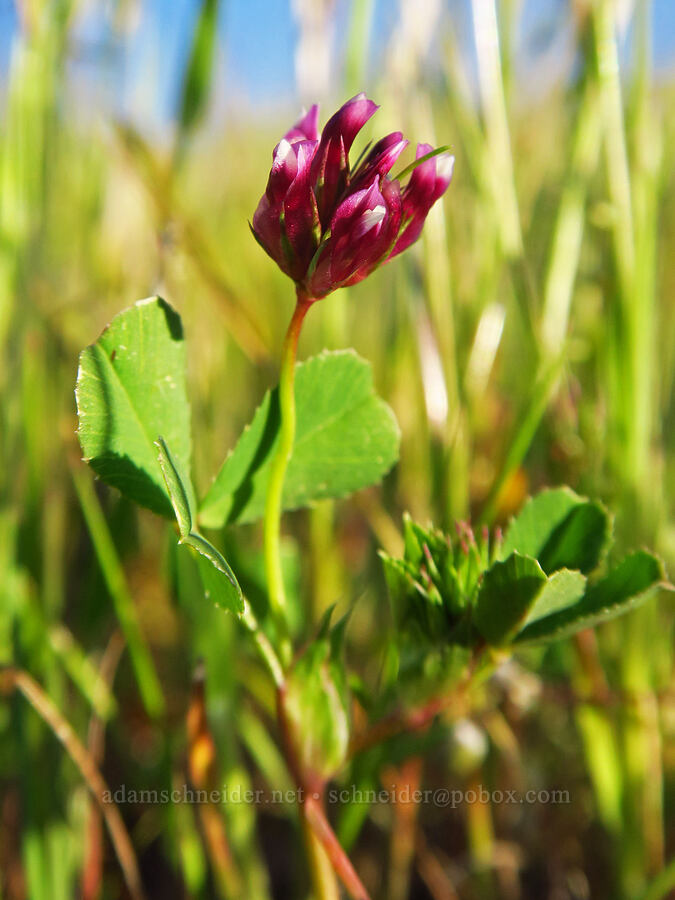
(326, 226)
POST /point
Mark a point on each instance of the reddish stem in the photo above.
(346, 872)
(405, 721)
(310, 794)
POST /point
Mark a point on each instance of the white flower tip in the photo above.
(444, 166)
(372, 217)
(284, 150)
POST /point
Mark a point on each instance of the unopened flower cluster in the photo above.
(327, 226)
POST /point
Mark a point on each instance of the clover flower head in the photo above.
(328, 226)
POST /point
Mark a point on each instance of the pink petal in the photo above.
(409, 235)
(283, 171)
(331, 166)
(353, 206)
(355, 231)
(349, 120)
(306, 128)
(428, 182)
(380, 249)
(301, 218)
(445, 166)
(380, 159)
(267, 229)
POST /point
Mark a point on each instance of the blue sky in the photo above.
(140, 74)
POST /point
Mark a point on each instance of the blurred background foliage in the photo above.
(528, 339)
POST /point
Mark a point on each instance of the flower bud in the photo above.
(328, 227)
(315, 707)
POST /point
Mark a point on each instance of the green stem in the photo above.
(275, 487)
(112, 570)
(263, 645)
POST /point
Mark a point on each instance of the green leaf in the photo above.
(506, 596)
(220, 584)
(622, 589)
(178, 485)
(561, 530)
(346, 439)
(580, 541)
(130, 388)
(561, 590)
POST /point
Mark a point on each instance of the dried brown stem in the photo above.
(92, 869)
(405, 780)
(433, 873)
(406, 721)
(203, 774)
(16, 679)
(399, 722)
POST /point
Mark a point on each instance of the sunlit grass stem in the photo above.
(125, 609)
(563, 263)
(632, 182)
(493, 104)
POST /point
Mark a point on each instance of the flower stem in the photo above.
(275, 487)
(263, 644)
(326, 840)
(324, 882)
